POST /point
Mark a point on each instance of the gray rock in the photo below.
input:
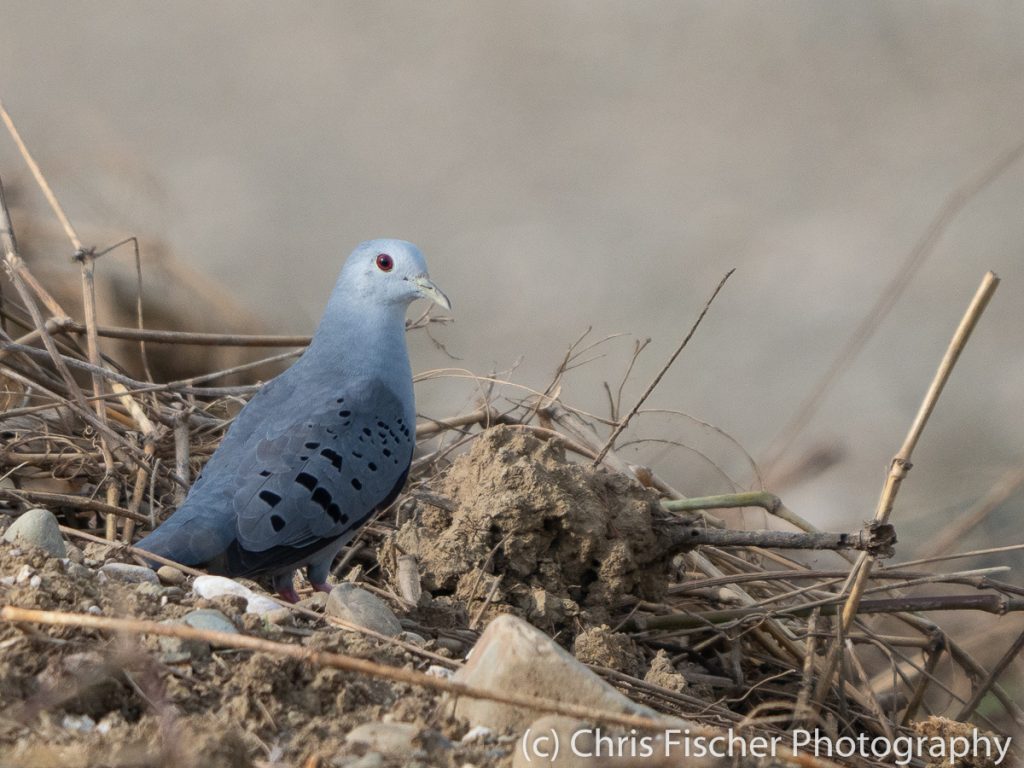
(390, 739)
(176, 649)
(210, 619)
(512, 655)
(77, 571)
(357, 606)
(129, 574)
(37, 528)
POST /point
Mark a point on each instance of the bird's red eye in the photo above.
(384, 262)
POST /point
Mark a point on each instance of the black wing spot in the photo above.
(387, 452)
(367, 432)
(312, 446)
(277, 522)
(357, 455)
(356, 484)
(332, 456)
(382, 425)
(306, 480)
(340, 400)
(270, 498)
(372, 466)
(345, 414)
(335, 512)
(265, 473)
(322, 497)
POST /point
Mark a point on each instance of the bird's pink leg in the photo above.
(285, 587)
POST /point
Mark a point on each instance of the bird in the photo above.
(318, 448)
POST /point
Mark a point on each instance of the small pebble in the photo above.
(451, 644)
(170, 575)
(36, 581)
(79, 723)
(130, 574)
(24, 574)
(210, 587)
(95, 610)
(478, 734)
(77, 571)
(208, 618)
(357, 606)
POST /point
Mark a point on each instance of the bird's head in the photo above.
(389, 272)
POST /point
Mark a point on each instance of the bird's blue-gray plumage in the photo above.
(318, 448)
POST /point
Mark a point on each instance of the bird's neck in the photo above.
(360, 341)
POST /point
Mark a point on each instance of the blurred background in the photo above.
(579, 165)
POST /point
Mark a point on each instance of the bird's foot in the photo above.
(322, 586)
(285, 587)
(288, 594)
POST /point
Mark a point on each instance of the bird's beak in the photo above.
(428, 290)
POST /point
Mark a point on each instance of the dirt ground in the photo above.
(511, 527)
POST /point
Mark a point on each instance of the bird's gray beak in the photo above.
(428, 290)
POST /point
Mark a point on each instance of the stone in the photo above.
(177, 649)
(170, 575)
(210, 587)
(357, 606)
(390, 739)
(129, 574)
(512, 655)
(209, 619)
(37, 528)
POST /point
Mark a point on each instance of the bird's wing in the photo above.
(302, 481)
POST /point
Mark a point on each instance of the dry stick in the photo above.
(650, 387)
(870, 539)
(995, 604)
(69, 500)
(40, 179)
(950, 535)
(88, 265)
(933, 654)
(950, 209)
(85, 258)
(997, 670)
(190, 338)
(767, 501)
(336, 661)
(900, 466)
